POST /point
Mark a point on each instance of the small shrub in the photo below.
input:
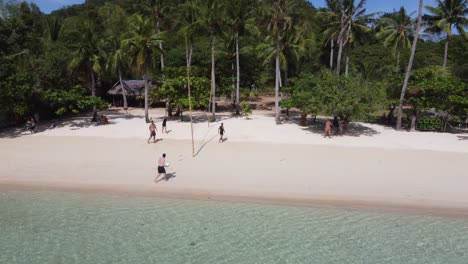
(246, 109)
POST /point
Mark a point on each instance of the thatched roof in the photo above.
(132, 88)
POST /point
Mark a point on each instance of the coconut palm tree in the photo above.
(356, 25)
(156, 9)
(142, 43)
(84, 44)
(331, 18)
(116, 23)
(212, 17)
(278, 20)
(239, 15)
(447, 15)
(396, 29)
(410, 65)
(116, 61)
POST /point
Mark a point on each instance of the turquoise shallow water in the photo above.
(48, 227)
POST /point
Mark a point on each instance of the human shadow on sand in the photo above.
(168, 177)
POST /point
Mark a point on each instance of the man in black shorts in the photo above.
(221, 133)
(164, 129)
(152, 129)
(161, 168)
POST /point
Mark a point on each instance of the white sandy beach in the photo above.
(373, 165)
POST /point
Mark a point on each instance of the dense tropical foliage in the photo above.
(338, 60)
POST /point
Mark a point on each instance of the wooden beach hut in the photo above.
(134, 90)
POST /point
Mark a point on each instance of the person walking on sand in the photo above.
(161, 168)
(341, 127)
(328, 128)
(221, 133)
(152, 129)
(164, 129)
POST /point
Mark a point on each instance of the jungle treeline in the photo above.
(339, 60)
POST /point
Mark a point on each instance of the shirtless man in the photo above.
(152, 129)
(161, 168)
(328, 128)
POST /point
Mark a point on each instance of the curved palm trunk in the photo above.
(277, 76)
(237, 75)
(446, 50)
(93, 86)
(188, 54)
(332, 49)
(398, 59)
(340, 44)
(146, 97)
(213, 83)
(124, 93)
(348, 48)
(158, 29)
(410, 65)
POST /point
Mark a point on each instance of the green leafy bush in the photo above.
(246, 109)
(73, 101)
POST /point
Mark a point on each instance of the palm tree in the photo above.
(238, 14)
(84, 45)
(356, 25)
(410, 65)
(115, 23)
(156, 8)
(396, 30)
(331, 18)
(142, 42)
(211, 12)
(116, 61)
(278, 20)
(447, 15)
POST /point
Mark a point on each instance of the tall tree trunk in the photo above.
(340, 43)
(213, 83)
(158, 30)
(93, 85)
(446, 50)
(237, 74)
(124, 93)
(410, 65)
(188, 54)
(348, 48)
(146, 97)
(277, 76)
(398, 59)
(286, 71)
(332, 50)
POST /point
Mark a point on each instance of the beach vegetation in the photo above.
(274, 48)
(246, 108)
(72, 101)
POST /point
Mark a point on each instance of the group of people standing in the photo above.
(340, 126)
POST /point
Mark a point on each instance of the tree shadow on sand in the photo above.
(73, 122)
(462, 137)
(317, 127)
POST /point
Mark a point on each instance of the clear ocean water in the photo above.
(54, 227)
